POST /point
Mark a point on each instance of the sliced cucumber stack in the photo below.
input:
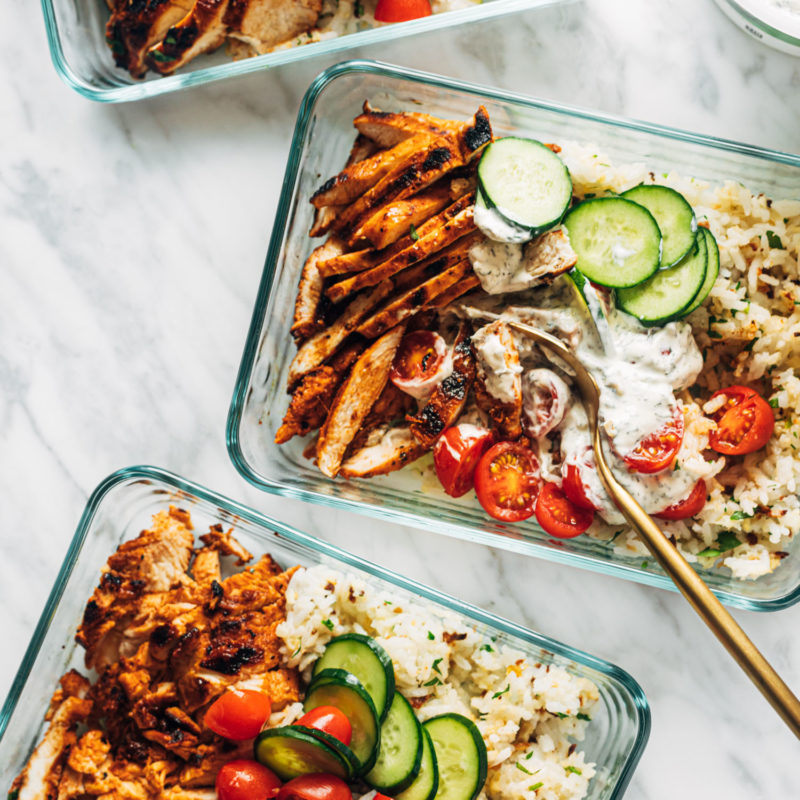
(674, 217)
(670, 292)
(618, 242)
(367, 660)
(526, 182)
(426, 784)
(400, 756)
(344, 691)
(460, 754)
(293, 751)
(712, 270)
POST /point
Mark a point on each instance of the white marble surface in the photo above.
(131, 243)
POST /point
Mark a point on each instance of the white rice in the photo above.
(526, 712)
(749, 332)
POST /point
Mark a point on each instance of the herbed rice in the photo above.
(749, 332)
(526, 712)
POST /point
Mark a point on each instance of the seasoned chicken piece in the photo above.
(356, 179)
(498, 388)
(444, 299)
(203, 29)
(449, 397)
(436, 234)
(132, 595)
(354, 261)
(388, 128)
(218, 542)
(385, 450)
(393, 404)
(264, 24)
(354, 400)
(202, 770)
(309, 291)
(322, 345)
(40, 778)
(134, 27)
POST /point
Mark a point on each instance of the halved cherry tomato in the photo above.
(558, 515)
(456, 454)
(744, 423)
(574, 489)
(507, 481)
(692, 505)
(420, 363)
(658, 450)
(329, 719)
(239, 714)
(246, 780)
(315, 787)
(402, 10)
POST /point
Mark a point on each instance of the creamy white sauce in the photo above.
(494, 226)
(501, 373)
(545, 399)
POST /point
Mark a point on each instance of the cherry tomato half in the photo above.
(573, 487)
(238, 714)
(246, 780)
(330, 720)
(744, 423)
(658, 450)
(456, 454)
(558, 515)
(507, 481)
(402, 10)
(315, 787)
(420, 363)
(692, 505)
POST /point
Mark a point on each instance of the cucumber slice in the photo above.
(494, 225)
(669, 292)
(400, 755)
(617, 241)
(526, 182)
(674, 217)
(460, 755)
(291, 751)
(426, 783)
(367, 660)
(345, 692)
(331, 741)
(712, 270)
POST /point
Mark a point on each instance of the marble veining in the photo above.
(131, 243)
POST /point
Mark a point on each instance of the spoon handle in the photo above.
(704, 602)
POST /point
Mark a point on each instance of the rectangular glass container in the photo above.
(322, 138)
(81, 56)
(123, 505)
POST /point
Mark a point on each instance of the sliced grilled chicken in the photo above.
(388, 128)
(392, 406)
(444, 229)
(134, 28)
(356, 179)
(387, 450)
(309, 291)
(549, 255)
(354, 400)
(449, 397)
(444, 299)
(265, 24)
(355, 261)
(322, 345)
(498, 387)
(201, 30)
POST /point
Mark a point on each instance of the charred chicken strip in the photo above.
(385, 450)
(306, 319)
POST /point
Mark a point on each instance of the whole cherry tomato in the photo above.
(558, 515)
(315, 787)
(456, 455)
(507, 481)
(744, 423)
(330, 720)
(246, 780)
(238, 714)
(402, 10)
(689, 507)
(658, 450)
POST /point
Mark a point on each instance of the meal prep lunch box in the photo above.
(123, 504)
(322, 139)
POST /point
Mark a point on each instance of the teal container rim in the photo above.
(139, 90)
(156, 474)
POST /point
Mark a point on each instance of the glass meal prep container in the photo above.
(83, 59)
(322, 138)
(123, 505)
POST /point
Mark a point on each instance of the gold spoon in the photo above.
(691, 585)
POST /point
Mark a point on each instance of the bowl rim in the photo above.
(170, 479)
(258, 320)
